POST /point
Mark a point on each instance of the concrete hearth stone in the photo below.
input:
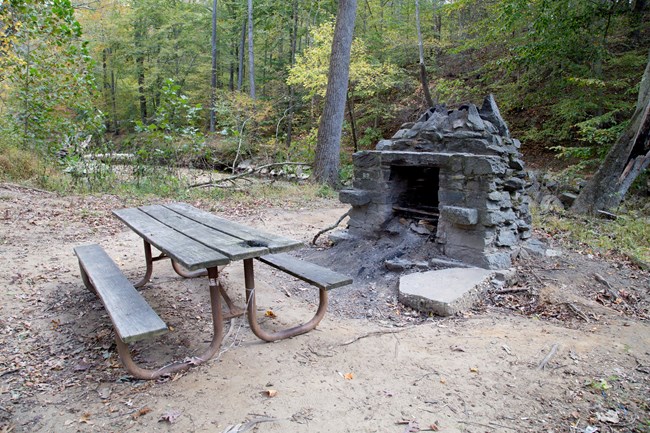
(444, 292)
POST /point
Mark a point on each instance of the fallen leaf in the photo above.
(145, 410)
(271, 314)
(271, 392)
(456, 348)
(443, 380)
(348, 376)
(611, 416)
(85, 419)
(171, 416)
(473, 369)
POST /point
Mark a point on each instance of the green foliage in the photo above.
(629, 234)
(49, 89)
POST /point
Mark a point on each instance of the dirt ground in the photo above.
(554, 350)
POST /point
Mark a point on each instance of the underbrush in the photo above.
(627, 235)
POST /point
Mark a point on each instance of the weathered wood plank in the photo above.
(233, 247)
(191, 254)
(250, 235)
(133, 319)
(317, 275)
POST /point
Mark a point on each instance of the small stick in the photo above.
(575, 309)
(332, 227)
(506, 291)
(612, 292)
(548, 357)
(370, 334)
(491, 425)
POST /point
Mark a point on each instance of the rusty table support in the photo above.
(217, 337)
(249, 278)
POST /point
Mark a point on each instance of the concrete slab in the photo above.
(444, 292)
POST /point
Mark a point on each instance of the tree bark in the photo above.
(240, 70)
(213, 78)
(629, 156)
(326, 164)
(423, 68)
(251, 58)
(292, 60)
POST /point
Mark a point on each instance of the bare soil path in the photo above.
(371, 366)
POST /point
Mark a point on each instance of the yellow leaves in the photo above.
(473, 370)
(348, 376)
(271, 314)
(366, 75)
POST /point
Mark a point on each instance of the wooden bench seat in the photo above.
(318, 276)
(133, 319)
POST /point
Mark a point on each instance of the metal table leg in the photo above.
(217, 337)
(249, 279)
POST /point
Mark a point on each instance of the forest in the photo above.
(211, 83)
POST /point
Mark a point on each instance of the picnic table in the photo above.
(197, 243)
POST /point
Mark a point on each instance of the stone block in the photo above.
(367, 159)
(514, 184)
(354, 197)
(459, 215)
(384, 145)
(484, 165)
(506, 236)
(443, 292)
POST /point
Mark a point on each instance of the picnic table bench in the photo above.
(200, 242)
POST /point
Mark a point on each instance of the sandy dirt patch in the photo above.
(371, 366)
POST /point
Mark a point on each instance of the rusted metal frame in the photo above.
(217, 337)
(149, 259)
(187, 274)
(249, 279)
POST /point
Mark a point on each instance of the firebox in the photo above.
(459, 168)
(417, 191)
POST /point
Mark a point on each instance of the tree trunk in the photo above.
(240, 71)
(213, 78)
(353, 126)
(423, 68)
(629, 156)
(292, 60)
(326, 164)
(251, 58)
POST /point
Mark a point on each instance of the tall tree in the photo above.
(251, 54)
(628, 158)
(213, 77)
(423, 69)
(326, 164)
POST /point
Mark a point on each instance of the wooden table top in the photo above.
(197, 239)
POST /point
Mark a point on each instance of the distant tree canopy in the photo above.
(565, 72)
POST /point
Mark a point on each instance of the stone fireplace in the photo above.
(455, 176)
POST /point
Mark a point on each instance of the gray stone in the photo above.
(490, 112)
(444, 292)
(507, 276)
(384, 145)
(484, 165)
(567, 199)
(459, 215)
(506, 237)
(550, 202)
(355, 197)
(498, 260)
(535, 247)
(516, 164)
(474, 119)
(398, 265)
(514, 184)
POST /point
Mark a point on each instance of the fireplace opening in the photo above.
(415, 191)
